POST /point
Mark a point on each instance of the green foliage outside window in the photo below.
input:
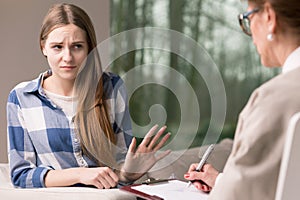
(212, 24)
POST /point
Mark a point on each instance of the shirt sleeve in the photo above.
(22, 157)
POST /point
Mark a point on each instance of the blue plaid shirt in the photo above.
(41, 137)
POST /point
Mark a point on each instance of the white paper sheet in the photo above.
(171, 190)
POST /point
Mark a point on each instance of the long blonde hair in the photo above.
(91, 120)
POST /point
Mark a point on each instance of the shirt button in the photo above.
(75, 140)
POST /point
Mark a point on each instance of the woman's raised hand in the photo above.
(140, 159)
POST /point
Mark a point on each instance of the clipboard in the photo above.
(128, 188)
(143, 195)
(164, 189)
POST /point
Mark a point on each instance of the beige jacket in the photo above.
(251, 171)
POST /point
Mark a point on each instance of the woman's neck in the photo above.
(288, 42)
(58, 86)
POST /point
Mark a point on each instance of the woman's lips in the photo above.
(68, 67)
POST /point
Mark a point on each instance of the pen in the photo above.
(154, 181)
(203, 160)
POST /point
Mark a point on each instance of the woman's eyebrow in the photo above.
(75, 42)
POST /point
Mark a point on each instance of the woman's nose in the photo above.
(67, 55)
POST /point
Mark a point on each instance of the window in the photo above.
(214, 27)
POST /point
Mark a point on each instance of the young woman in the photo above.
(252, 169)
(71, 125)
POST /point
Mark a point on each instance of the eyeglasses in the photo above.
(245, 21)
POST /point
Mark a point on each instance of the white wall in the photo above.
(20, 56)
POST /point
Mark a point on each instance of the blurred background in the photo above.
(212, 24)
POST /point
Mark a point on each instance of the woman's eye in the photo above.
(58, 47)
(77, 46)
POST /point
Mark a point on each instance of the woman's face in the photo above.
(66, 49)
(259, 30)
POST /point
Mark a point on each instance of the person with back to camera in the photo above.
(252, 169)
(71, 125)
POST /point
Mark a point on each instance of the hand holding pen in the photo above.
(203, 176)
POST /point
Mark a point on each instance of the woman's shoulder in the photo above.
(278, 92)
(113, 85)
(282, 83)
(25, 87)
(112, 79)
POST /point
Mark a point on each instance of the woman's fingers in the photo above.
(114, 176)
(108, 178)
(151, 142)
(156, 137)
(149, 135)
(105, 178)
(98, 184)
(208, 174)
(201, 186)
(193, 167)
(131, 148)
(162, 142)
(105, 182)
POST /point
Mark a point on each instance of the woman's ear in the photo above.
(44, 52)
(270, 18)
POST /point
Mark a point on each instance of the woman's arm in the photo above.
(100, 177)
(22, 155)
